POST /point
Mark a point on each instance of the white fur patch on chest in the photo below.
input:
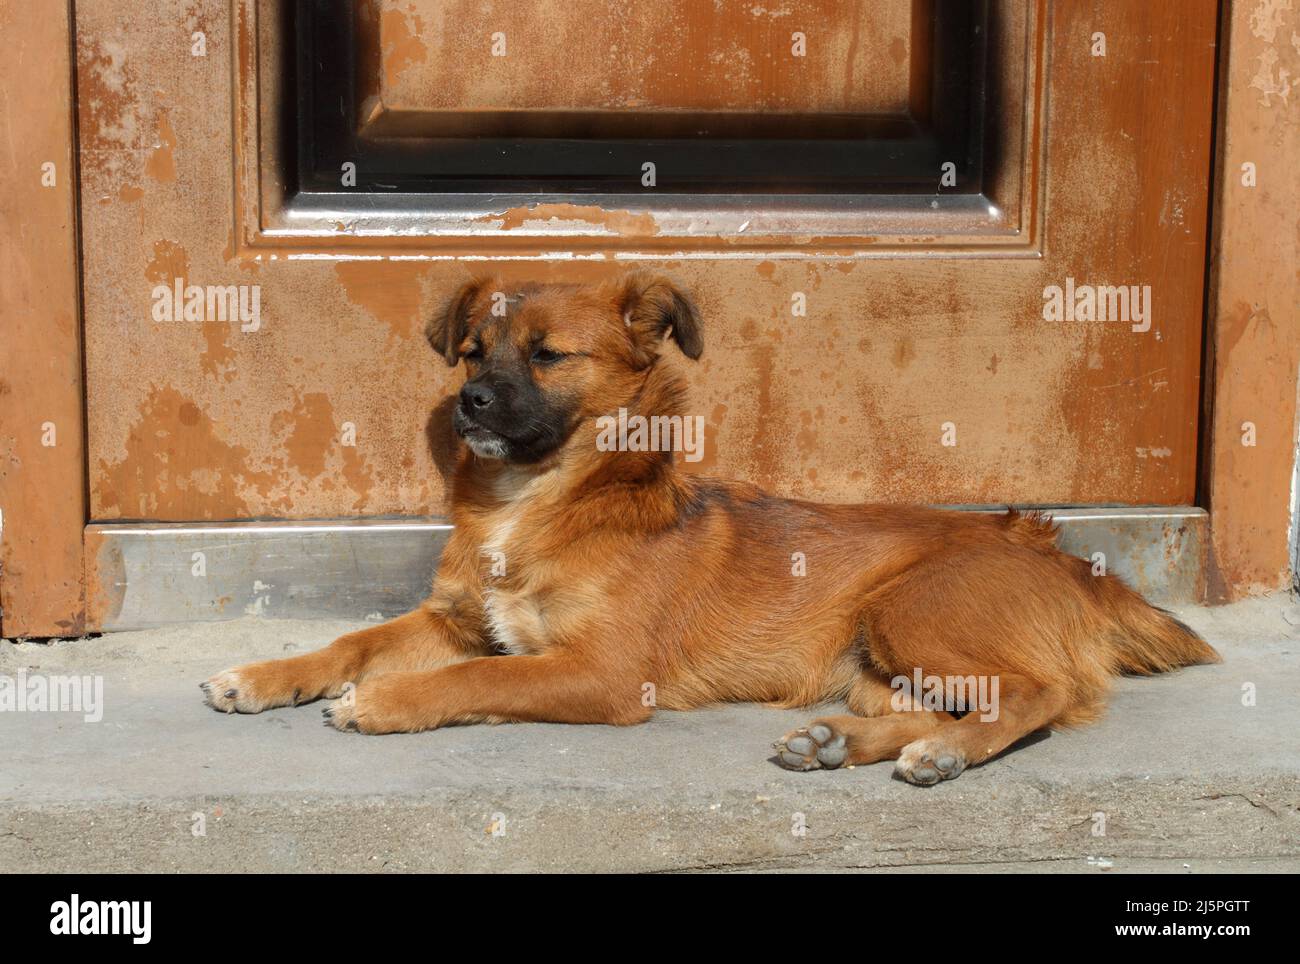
(514, 620)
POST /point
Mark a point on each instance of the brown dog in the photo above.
(588, 585)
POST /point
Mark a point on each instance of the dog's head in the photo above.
(542, 358)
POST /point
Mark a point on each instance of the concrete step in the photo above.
(1186, 778)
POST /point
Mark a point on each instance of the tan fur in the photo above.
(625, 577)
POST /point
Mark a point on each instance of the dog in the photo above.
(585, 583)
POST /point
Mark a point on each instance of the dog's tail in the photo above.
(1148, 639)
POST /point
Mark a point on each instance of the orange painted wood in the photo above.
(200, 420)
(42, 450)
(1255, 304)
(430, 66)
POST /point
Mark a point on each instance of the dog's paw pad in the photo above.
(812, 747)
(927, 762)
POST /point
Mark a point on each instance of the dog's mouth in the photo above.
(484, 441)
(493, 443)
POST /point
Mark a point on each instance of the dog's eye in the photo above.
(546, 356)
(475, 352)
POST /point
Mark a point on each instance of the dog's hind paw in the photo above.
(816, 746)
(926, 762)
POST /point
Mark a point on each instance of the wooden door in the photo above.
(946, 252)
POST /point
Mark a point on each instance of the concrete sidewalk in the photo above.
(1185, 777)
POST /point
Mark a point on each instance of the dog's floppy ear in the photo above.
(448, 329)
(652, 306)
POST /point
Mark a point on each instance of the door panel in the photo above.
(673, 65)
(324, 409)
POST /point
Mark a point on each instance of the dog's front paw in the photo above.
(926, 762)
(246, 689)
(367, 708)
(343, 713)
(813, 747)
(386, 704)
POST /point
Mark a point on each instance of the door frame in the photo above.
(1251, 351)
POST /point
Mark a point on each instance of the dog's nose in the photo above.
(477, 397)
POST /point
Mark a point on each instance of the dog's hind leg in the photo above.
(930, 745)
(835, 741)
(886, 723)
(1023, 707)
(433, 635)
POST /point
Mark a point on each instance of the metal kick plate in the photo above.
(147, 575)
(1160, 552)
(143, 575)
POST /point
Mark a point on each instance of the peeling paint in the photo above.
(177, 465)
(218, 358)
(1267, 83)
(311, 433)
(402, 46)
(161, 166)
(169, 262)
(106, 82)
(545, 216)
(1267, 17)
(389, 290)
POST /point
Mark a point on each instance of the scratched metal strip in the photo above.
(1161, 552)
(152, 575)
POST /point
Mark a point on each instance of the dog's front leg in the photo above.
(551, 688)
(440, 632)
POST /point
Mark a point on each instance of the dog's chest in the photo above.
(515, 622)
(512, 610)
